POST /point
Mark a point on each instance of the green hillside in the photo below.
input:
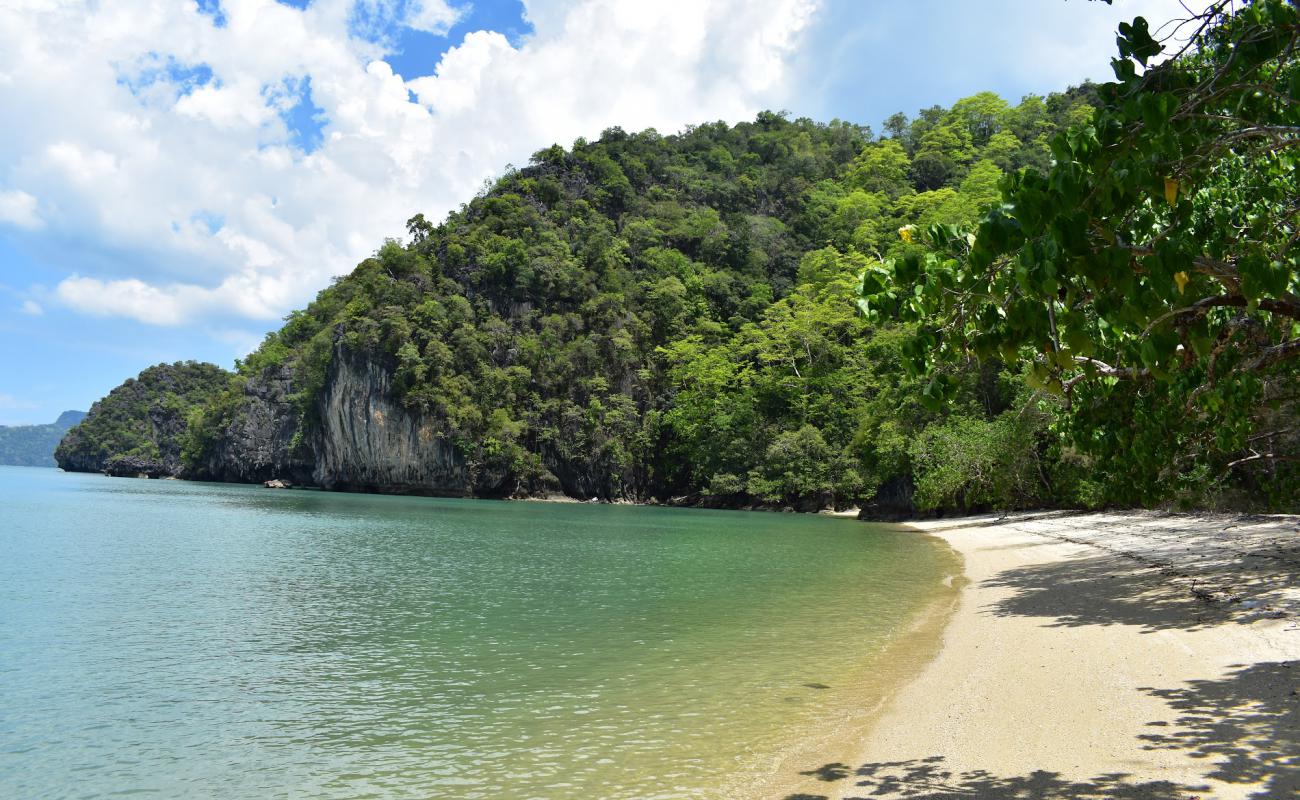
(33, 445)
(1085, 299)
(137, 428)
(650, 316)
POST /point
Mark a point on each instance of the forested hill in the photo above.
(138, 428)
(655, 317)
(33, 445)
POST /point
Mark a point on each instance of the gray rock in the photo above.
(262, 442)
(368, 441)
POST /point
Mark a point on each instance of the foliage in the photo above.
(652, 316)
(1148, 276)
(143, 418)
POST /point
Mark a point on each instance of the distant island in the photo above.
(33, 445)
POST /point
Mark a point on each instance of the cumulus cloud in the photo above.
(432, 16)
(250, 294)
(19, 208)
(188, 141)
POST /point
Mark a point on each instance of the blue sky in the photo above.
(173, 185)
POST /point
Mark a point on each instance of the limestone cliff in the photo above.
(355, 436)
(365, 440)
(262, 438)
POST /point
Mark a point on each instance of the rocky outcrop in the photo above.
(139, 428)
(892, 503)
(263, 440)
(366, 440)
(137, 467)
(357, 435)
(360, 437)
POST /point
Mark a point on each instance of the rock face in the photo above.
(368, 441)
(356, 436)
(360, 438)
(262, 442)
(137, 467)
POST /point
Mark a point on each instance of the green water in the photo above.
(197, 640)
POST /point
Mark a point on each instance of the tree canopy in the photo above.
(1149, 275)
(654, 316)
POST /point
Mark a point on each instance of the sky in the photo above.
(178, 175)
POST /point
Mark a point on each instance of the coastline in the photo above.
(837, 734)
(1128, 655)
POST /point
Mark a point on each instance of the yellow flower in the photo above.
(1181, 279)
(905, 233)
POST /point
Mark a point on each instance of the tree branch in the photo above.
(1273, 355)
(1262, 457)
(1105, 370)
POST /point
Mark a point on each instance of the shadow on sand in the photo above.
(930, 779)
(1244, 727)
(1183, 578)
(1108, 590)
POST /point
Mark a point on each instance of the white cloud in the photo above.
(250, 294)
(433, 16)
(19, 208)
(32, 308)
(173, 162)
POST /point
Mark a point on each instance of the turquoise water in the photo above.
(199, 640)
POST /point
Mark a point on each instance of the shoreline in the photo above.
(850, 718)
(1127, 655)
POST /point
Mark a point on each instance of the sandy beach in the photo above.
(1133, 655)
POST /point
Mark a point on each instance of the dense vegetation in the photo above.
(1149, 278)
(138, 427)
(1083, 299)
(33, 445)
(652, 316)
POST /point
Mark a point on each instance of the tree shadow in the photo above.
(1177, 576)
(927, 779)
(930, 779)
(1247, 723)
(1106, 590)
(830, 772)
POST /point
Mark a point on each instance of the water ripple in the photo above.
(172, 639)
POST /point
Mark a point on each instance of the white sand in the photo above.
(1099, 656)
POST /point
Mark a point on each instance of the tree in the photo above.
(983, 115)
(881, 167)
(1150, 276)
